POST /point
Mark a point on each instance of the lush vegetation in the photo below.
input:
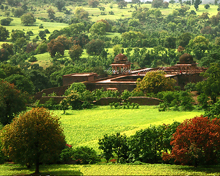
(85, 36)
(43, 40)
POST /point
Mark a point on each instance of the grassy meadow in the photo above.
(85, 127)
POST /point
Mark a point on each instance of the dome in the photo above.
(120, 57)
(186, 59)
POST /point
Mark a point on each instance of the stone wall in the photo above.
(59, 91)
(145, 100)
(57, 99)
(183, 79)
(106, 101)
(120, 86)
(139, 100)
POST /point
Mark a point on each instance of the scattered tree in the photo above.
(55, 47)
(196, 4)
(28, 19)
(59, 4)
(93, 3)
(157, 3)
(211, 85)
(207, 6)
(94, 47)
(4, 34)
(16, 34)
(6, 21)
(98, 28)
(81, 13)
(51, 13)
(75, 52)
(33, 138)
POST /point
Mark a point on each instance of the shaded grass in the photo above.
(114, 169)
(85, 127)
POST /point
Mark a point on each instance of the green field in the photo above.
(114, 169)
(85, 127)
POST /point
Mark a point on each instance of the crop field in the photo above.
(85, 127)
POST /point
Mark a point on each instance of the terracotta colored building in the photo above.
(122, 77)
(78, 77)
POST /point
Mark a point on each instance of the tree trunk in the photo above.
(37, 166)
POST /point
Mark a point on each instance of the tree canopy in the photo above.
(33, 138)
(12, 101)
(154, 82)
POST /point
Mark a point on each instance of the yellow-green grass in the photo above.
(51, 26)
(116, 169)
(212, 10)
(85, 127)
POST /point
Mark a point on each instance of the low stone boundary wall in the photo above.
(57, 99)
(139, 100)
(106, 101)
(145, 100)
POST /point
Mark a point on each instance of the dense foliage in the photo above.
(154, 82)
(196, 141)
(35, 137)
(12, 102)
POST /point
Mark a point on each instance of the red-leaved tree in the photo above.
(196, 141)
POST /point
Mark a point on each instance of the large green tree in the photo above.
(22, 83)
(4, 34)
(94, 47)
(98, 28)
(196, 4)
(75, 52)
(33, 138)
(154, 82)
(59, 4)
(210, 86)
(28, 19)
(12, 101)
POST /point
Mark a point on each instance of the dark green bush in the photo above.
(33, 59)
(50, 104)
(6, 21)
(149, 144)
(85, 155)
(175, 99)
(66, 155)
(114, 145)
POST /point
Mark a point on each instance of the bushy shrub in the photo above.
(77, 87)
(190, 86)
(179, 100)
(50, 104)
(149, 144)
(114, 145)
(73, 100)
(6, 21)
(41, 26)
(85, 155)
(196, 141)
(41, 48)
(32, 59)
(125, 94)
(66, 155)
(2, 157)
(213, 111)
